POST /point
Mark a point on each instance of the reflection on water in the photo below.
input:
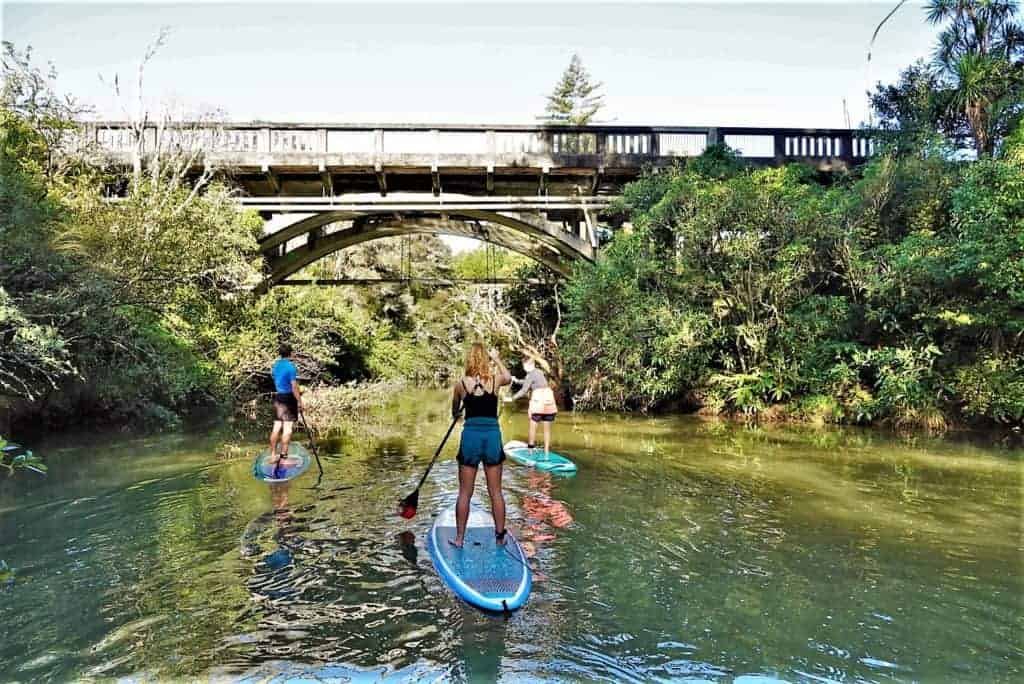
(681, 550)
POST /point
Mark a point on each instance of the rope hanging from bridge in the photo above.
(405, 259)
(491, 257)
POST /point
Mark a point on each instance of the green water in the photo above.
(682, 550)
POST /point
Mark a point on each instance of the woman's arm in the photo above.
(527, 385)
(501, 376)
(457, 395)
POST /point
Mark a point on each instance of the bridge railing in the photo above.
(637, 144)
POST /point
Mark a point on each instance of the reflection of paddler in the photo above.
(282, 515)
(272, 572)
(483, 646)
(407, 544)
(541, 508)
(542, 513)
(279, 500)
(282, 556)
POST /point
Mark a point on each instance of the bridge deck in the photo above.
(315, 159)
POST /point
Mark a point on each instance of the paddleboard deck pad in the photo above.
(272, 468)
(536, 458)
(482, 573)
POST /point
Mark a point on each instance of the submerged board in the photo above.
(536, 458)
(270, 468)
(482, 573)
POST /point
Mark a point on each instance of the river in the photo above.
(683, 550)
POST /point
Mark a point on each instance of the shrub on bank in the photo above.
(892, 294)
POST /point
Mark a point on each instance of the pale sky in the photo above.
(724, 63)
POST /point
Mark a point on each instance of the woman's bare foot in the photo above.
(457, 543)
(499, 537)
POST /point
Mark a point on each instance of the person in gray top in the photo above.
(543, 408)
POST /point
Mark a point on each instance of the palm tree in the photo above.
(981, 49)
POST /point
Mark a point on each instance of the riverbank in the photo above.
(339, 408)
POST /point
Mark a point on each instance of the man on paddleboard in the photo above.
(287, 400)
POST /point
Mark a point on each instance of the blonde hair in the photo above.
(478, 364)
(531, 354)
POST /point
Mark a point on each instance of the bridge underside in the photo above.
(297, 239)
(288, 177)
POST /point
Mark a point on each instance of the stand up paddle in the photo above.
(407, 506)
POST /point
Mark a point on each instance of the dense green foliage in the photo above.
(894, 294)
(141, 311)
(102, 302)
(972, 91)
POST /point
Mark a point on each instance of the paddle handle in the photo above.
(437, 453)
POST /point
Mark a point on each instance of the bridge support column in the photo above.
(780, 148)
(272, 179)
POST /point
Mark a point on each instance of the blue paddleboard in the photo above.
(275, 469)
(535, 458)
(482, 573)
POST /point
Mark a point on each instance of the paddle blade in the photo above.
(407, 506)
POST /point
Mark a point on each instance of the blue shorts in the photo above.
(481, 442)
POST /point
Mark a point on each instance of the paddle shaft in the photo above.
(312, 440)
(437, 453)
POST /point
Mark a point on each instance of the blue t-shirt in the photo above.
(284, 373)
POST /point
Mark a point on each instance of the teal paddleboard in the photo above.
(270, 468)
(536, 458)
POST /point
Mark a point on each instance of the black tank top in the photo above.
(480, 405)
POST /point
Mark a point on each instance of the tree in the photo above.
(28, 95)
(576, 99)
(981, 52)
(918, 109)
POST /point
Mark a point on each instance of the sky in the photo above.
(701, 64)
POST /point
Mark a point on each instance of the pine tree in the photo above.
(576, 99)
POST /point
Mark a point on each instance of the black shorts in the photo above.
(542, 417)
(286, 407)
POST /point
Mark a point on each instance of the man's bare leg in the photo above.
(286, 437)
(275, 434)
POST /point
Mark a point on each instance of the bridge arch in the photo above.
(553, 247)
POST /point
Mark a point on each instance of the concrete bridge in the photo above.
(537, 190)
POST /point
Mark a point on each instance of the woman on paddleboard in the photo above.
(477, 393)
(543, 408)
